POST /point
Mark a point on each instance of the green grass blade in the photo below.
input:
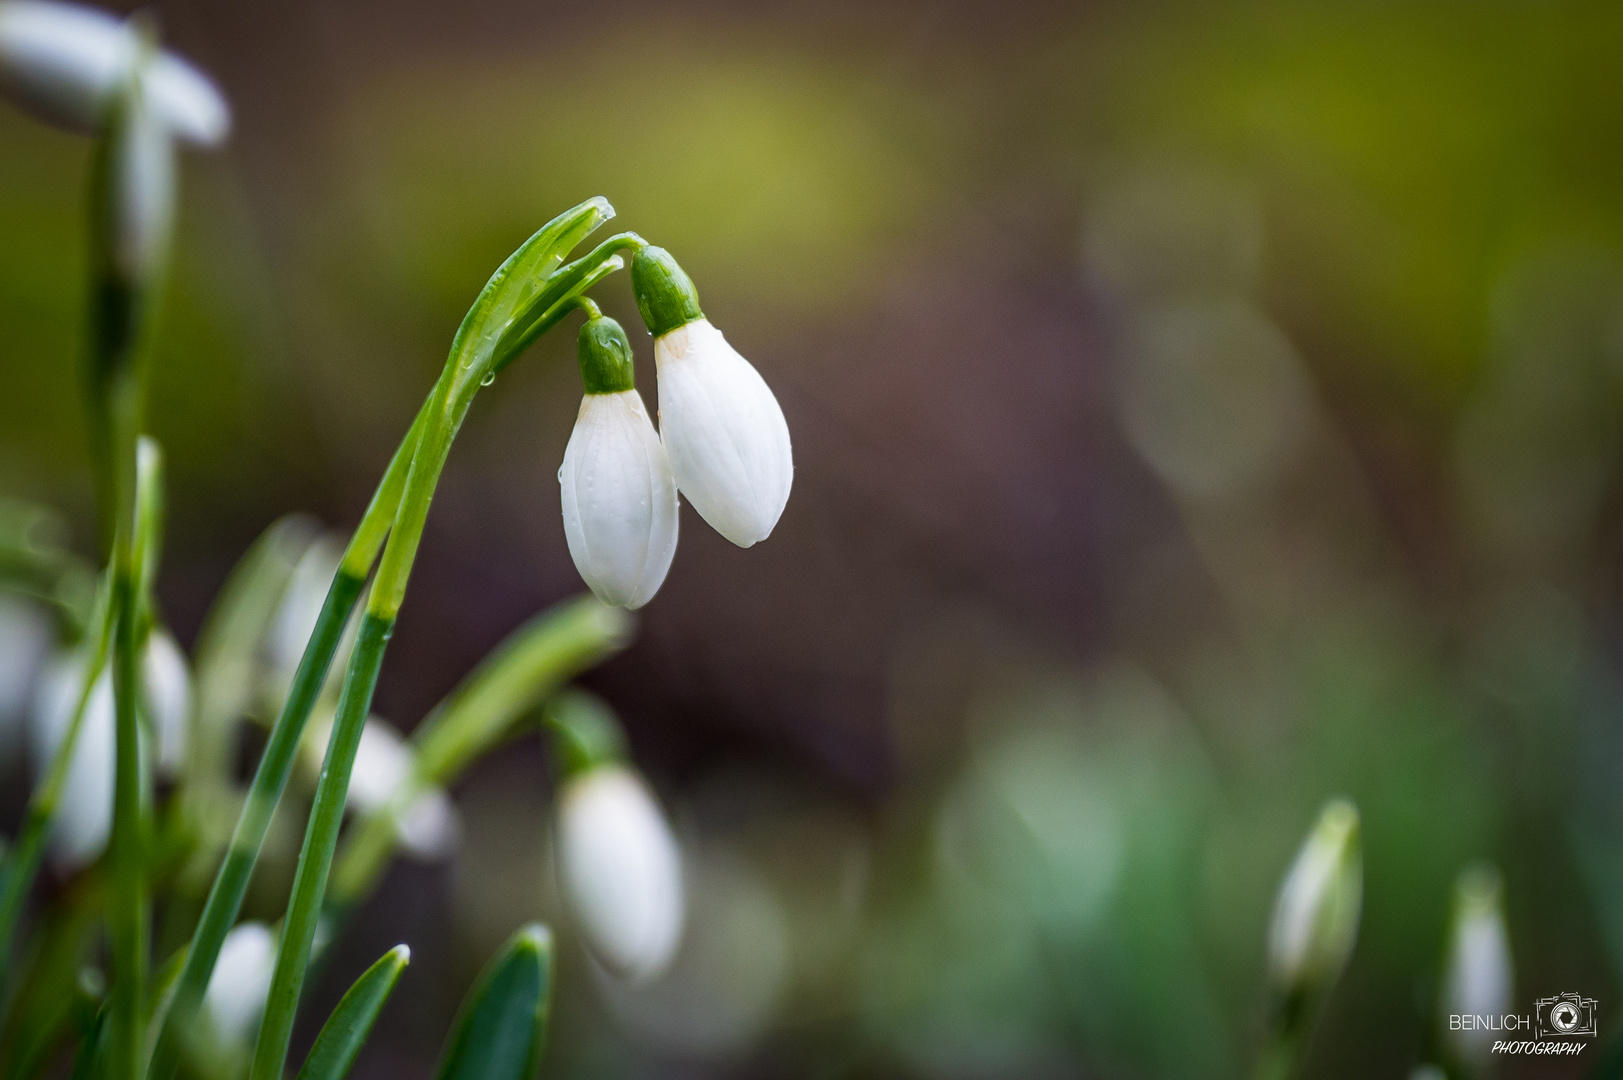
(345, 1031)
(315, 857)
(231, 881)
(502, 1026)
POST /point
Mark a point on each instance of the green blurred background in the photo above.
(1199, 411)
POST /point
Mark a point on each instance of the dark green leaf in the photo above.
(346, 1029)
(499, 1033)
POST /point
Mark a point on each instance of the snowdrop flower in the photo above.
(427, 823)
(1478, 978)
(723, 430)
(67, 63)
(621, 871)
(236, 993)
(300, 607)
(84, 812)
(1315, 921)
(167, 686)
(619, 498)
(25, 635)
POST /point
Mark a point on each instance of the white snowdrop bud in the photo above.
(167, 686)
(1478, 978)
(722, 428)
(1315, 921)
(300, 607)
(67, 63)
(429, 828)
(382, 764)
(620, 870)
(84, 810)
(236, 993)
(25, 636)
(619, 498)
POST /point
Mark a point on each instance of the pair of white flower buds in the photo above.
(722, 441)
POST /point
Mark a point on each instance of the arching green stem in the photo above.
(520, 295)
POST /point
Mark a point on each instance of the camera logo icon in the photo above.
(1564, 1016)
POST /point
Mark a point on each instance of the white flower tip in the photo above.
(401, 952)
(621, 872)
(167, 682)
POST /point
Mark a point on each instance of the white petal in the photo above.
(84, 815)
(382, 764)
(619, 500)
(65, 62)
(430, 827)
(62, 60)
(241, 981)
(621, 871)
(726, 436)
(168, 685)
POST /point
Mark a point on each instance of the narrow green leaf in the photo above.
(90, 1062)
(345, 1031)
(502, 1026)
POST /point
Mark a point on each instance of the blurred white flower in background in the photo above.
(66, 63)
(84, 814)
(1478, 976)
(236, 993)
(167, 686)
(300, 609)
(1315, 920)
(621, 871)
(427, 825)
(25, 638)
(730, 976)
(725, 433)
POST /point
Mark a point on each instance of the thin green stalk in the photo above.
(320, 839)
(25, 858)
(270, 779)
(127, 909)
(530, 281)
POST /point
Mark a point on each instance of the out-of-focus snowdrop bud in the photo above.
(1478, 978)
(236, 993)
(25, 635)
(1315, 921)
(67, 63)
(618, 862)
(84, 811)
(167, 689)
(427, 825)
(723, 430)
(619, 497)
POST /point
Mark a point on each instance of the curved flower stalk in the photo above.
(1312, 933)
(619, 497)
(1478, 975)
(68, 64)
(723, 429)
(619, 865)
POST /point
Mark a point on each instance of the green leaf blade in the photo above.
(502, 1026)
(345, 1031)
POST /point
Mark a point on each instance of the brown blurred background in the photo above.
(1198, 411)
